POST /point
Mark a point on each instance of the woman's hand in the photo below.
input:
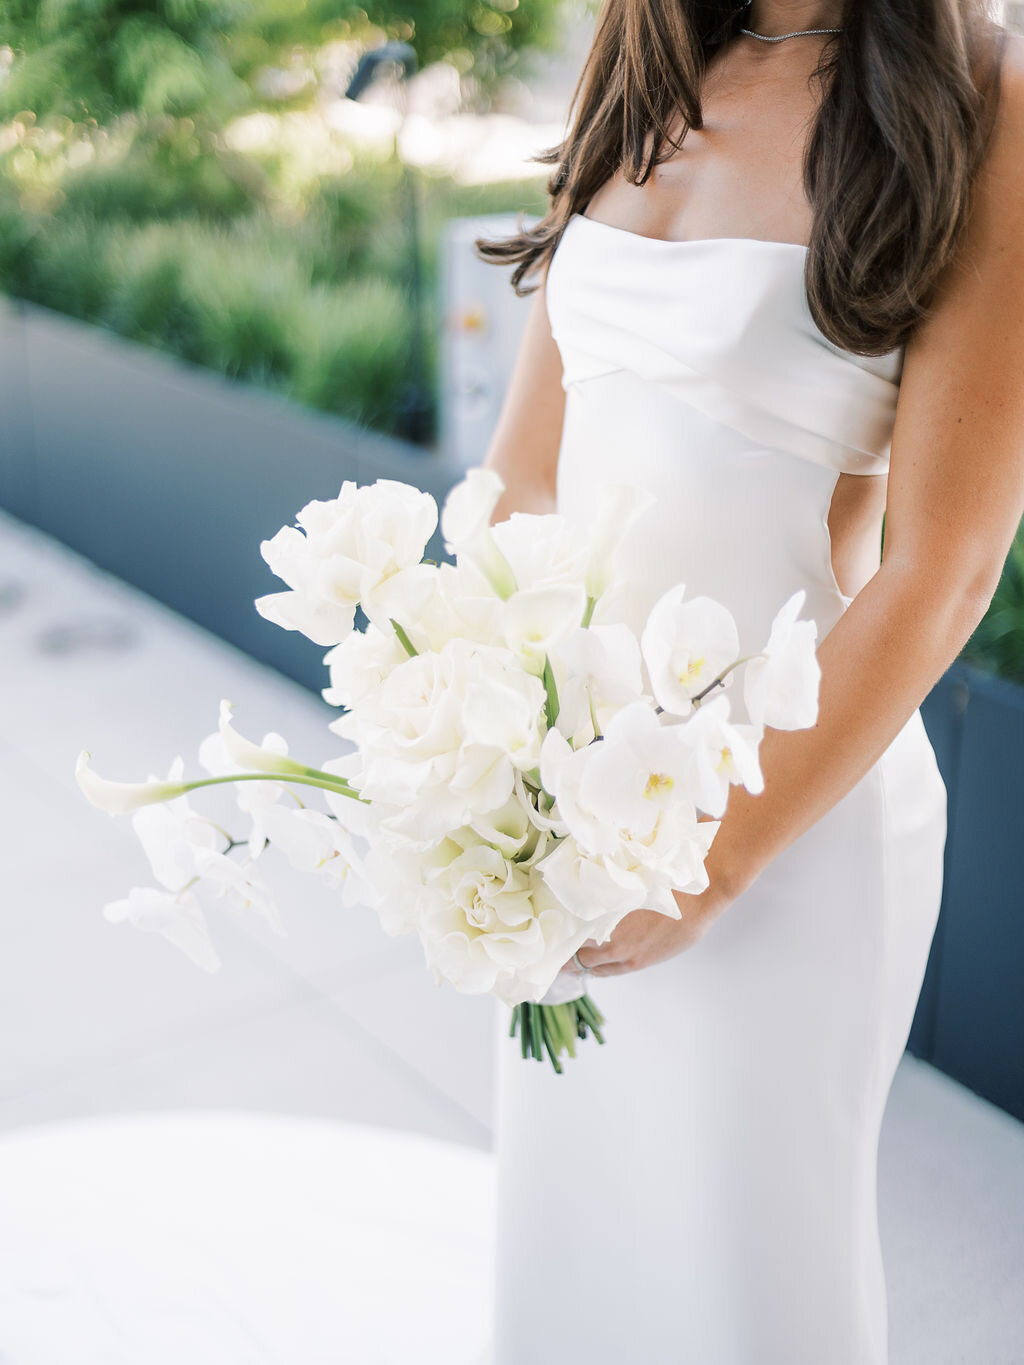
(644, 937)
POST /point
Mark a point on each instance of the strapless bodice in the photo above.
(724, 323)
(695, 371)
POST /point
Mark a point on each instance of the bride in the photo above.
(778, 285)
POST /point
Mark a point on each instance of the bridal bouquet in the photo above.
(520, 769)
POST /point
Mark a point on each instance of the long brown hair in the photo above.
(909, 99)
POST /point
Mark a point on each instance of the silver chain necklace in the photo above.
(778, 37)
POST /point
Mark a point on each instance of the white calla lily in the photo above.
(536, 620)
(465, 526)
(469, 506)
(269, 757)
(119, 798)
(620, 506)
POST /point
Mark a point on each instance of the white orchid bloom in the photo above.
(172, 836)
(466, 529)
(721, 754)
(254, 799)
(119, 798)
(780, 686)
(307, 838)
(592, 886)
(620, 785)
(685, 645)
(178, 917)
(233, 880)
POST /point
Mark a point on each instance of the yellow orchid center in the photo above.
(659, 784)
(692, 672)
(725, 759)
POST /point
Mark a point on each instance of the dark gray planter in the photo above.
(170, 476)
(970, 1018)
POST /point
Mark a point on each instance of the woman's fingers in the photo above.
(595, 956)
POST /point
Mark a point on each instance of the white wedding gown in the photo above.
(701, 1190)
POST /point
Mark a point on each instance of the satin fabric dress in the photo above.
(701, 1190)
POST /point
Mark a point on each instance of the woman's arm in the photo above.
(955, 498)
(526, 440)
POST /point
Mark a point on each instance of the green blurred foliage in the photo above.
(313, 306)
(998, 643)
(123, 202)
(96, 59)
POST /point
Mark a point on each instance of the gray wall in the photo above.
(170, 476)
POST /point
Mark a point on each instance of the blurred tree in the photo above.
(91, 60)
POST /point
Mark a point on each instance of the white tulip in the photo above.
(360, 663)
(348, 550)
(780, 686)
(721, 753)
(685, 645)
(325, 622)
(178, 917)
(543, 549)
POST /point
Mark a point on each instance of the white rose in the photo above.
(439, 740)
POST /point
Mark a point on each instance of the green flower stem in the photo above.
(404, 640)
(591, 604)
(322, 780)
(551, 693)
(549, 1030)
